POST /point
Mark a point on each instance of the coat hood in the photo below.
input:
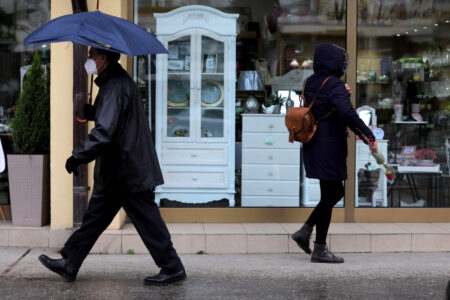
(330, 59)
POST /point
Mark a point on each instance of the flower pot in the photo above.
(29, 178)
(425, 162)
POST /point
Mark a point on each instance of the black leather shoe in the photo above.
(166, 279)
(61, 266)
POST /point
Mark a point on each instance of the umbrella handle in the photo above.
(79, 120)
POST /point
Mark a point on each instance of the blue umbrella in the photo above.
(97, 30)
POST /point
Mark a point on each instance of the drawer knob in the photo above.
(194, 154)
(270, 157)
(270, 190)
(270, 174)
(194, 178)
(271, 126)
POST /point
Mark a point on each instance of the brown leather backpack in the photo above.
(300, 120)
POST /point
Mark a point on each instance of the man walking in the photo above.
(126, 172)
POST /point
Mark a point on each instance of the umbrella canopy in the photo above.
(97, 30)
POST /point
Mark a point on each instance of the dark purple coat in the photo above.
(325, 155)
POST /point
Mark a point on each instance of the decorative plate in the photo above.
(212, 93)
(177, 92)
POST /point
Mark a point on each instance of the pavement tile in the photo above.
(445, 226)
(229, 244)
(108, 243)
(224, 228)
(267, 243)
(133, 242)
(346, 228)
(264, 228)
(4, 237)
(422, 227)
(28, 236)
(58, 237)
(189, 243)
(185, 228)
(391, 242)
(430, 242)
(383, 228)
(350, 243)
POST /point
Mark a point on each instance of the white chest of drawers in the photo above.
(270, 164)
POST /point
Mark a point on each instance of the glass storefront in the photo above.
(17, 20)
(401, 63)
(403, 91)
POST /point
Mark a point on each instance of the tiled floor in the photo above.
(250, 237)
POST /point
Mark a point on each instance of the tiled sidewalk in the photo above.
(227, 238)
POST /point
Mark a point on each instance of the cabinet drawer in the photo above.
(264, 123)
(268, 141)
(268, 172)
(178, 155)
(270, 188)
(267, 201)
(177, 178)
(271, 157)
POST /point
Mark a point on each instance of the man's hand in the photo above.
(72, 164)
(89, 112)
(349, 91)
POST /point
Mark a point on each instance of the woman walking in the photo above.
(325, 155)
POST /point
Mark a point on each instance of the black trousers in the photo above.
(142, 211)
(330, 194)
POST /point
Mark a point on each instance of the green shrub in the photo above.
(31, 122)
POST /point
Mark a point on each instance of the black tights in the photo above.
(330, 194)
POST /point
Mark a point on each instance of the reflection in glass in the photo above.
(178, 87)
(212, 88)
(405, 65)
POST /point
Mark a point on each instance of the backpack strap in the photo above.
(314, 99)
(317, 94)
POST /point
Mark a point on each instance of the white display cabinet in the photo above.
(195, 96)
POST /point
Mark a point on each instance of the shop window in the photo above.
(403, 73)
(17, 20)
(275, 44)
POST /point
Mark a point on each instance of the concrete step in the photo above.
(239, 238)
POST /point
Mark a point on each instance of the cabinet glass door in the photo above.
(212, 88)
(178, 87)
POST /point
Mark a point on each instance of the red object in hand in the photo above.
(390, 176)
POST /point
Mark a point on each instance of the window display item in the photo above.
(398, 112)
(415, 112)
(212, 93)
(194, 116)
(251, 104)
(250, 81)
(262, 66)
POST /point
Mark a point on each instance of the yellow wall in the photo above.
(62, 115)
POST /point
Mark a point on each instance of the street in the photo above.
(256, 276)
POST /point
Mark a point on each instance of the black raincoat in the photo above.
(325, 155)
(120, 142)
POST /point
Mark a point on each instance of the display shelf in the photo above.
(195, 140)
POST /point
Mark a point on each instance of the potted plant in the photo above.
(274, 103)
(425, 156)
(28, 170)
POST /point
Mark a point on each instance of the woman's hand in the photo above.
(373, 146)
(349, 91)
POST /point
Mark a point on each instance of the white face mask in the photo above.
(90, 66)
